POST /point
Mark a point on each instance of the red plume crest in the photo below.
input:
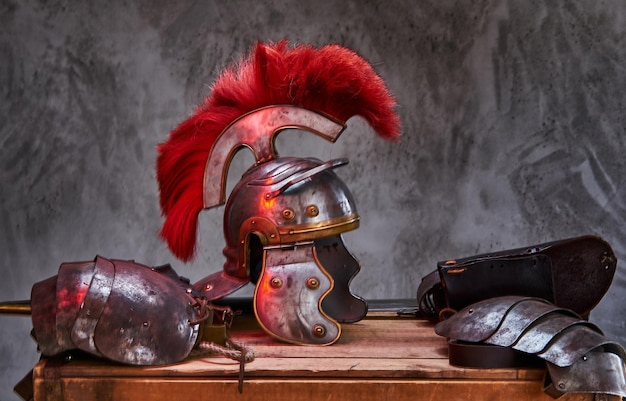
(332, 80)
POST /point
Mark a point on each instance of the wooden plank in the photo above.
(383, 347)
(375, 338)
(294, 367)
(167, 389)
(381, 357)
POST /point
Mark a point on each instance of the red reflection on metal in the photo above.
(267, 203)
(66, 299)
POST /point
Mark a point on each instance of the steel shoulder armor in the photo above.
(119, 310)
(503, 331)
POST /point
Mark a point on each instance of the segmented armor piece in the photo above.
(120, 310)
(573, 347)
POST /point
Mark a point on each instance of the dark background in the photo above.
(512, 117)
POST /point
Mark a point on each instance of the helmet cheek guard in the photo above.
(293, 273)
(284, 219)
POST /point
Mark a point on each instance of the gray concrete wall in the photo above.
(512, 115)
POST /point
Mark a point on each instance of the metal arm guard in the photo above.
(120, 310)
(572, 273)
(512, 331)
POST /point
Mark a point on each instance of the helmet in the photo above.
(284, 219)
(283, 223)
(284, 202)
(272, 220)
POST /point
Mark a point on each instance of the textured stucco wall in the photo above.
(512, 115)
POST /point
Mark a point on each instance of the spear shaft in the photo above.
(15, 307)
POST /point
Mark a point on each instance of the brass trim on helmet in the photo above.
(269, 234)
(321, 229)
(264, 229)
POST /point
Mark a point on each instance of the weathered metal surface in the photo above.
(257, 132)
(93, 305)
(289, 294)
(520, 317)
(120, 310)
(535, 327)
(288, 205)
(147, 318)
(317, 207)
(44, 313)
(477, 322)
(219, 284)
(573, 343)
(539, 336)
(596, 372)
(55, 303)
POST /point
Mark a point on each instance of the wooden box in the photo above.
(383, 357)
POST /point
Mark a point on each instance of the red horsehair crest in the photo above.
(324, 87)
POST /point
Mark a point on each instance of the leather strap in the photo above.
(480, 355)
(431, 283)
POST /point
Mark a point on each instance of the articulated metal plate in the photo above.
(44, 313)
(481, 320)
(520, 317)
(121, 310)
(55, 303)
(341, 304)
(147, 319)
(596, 372)
(528, 325)
(544, 330)
(92, 306)
(573, 343)
(289, 293)
(582, 358)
